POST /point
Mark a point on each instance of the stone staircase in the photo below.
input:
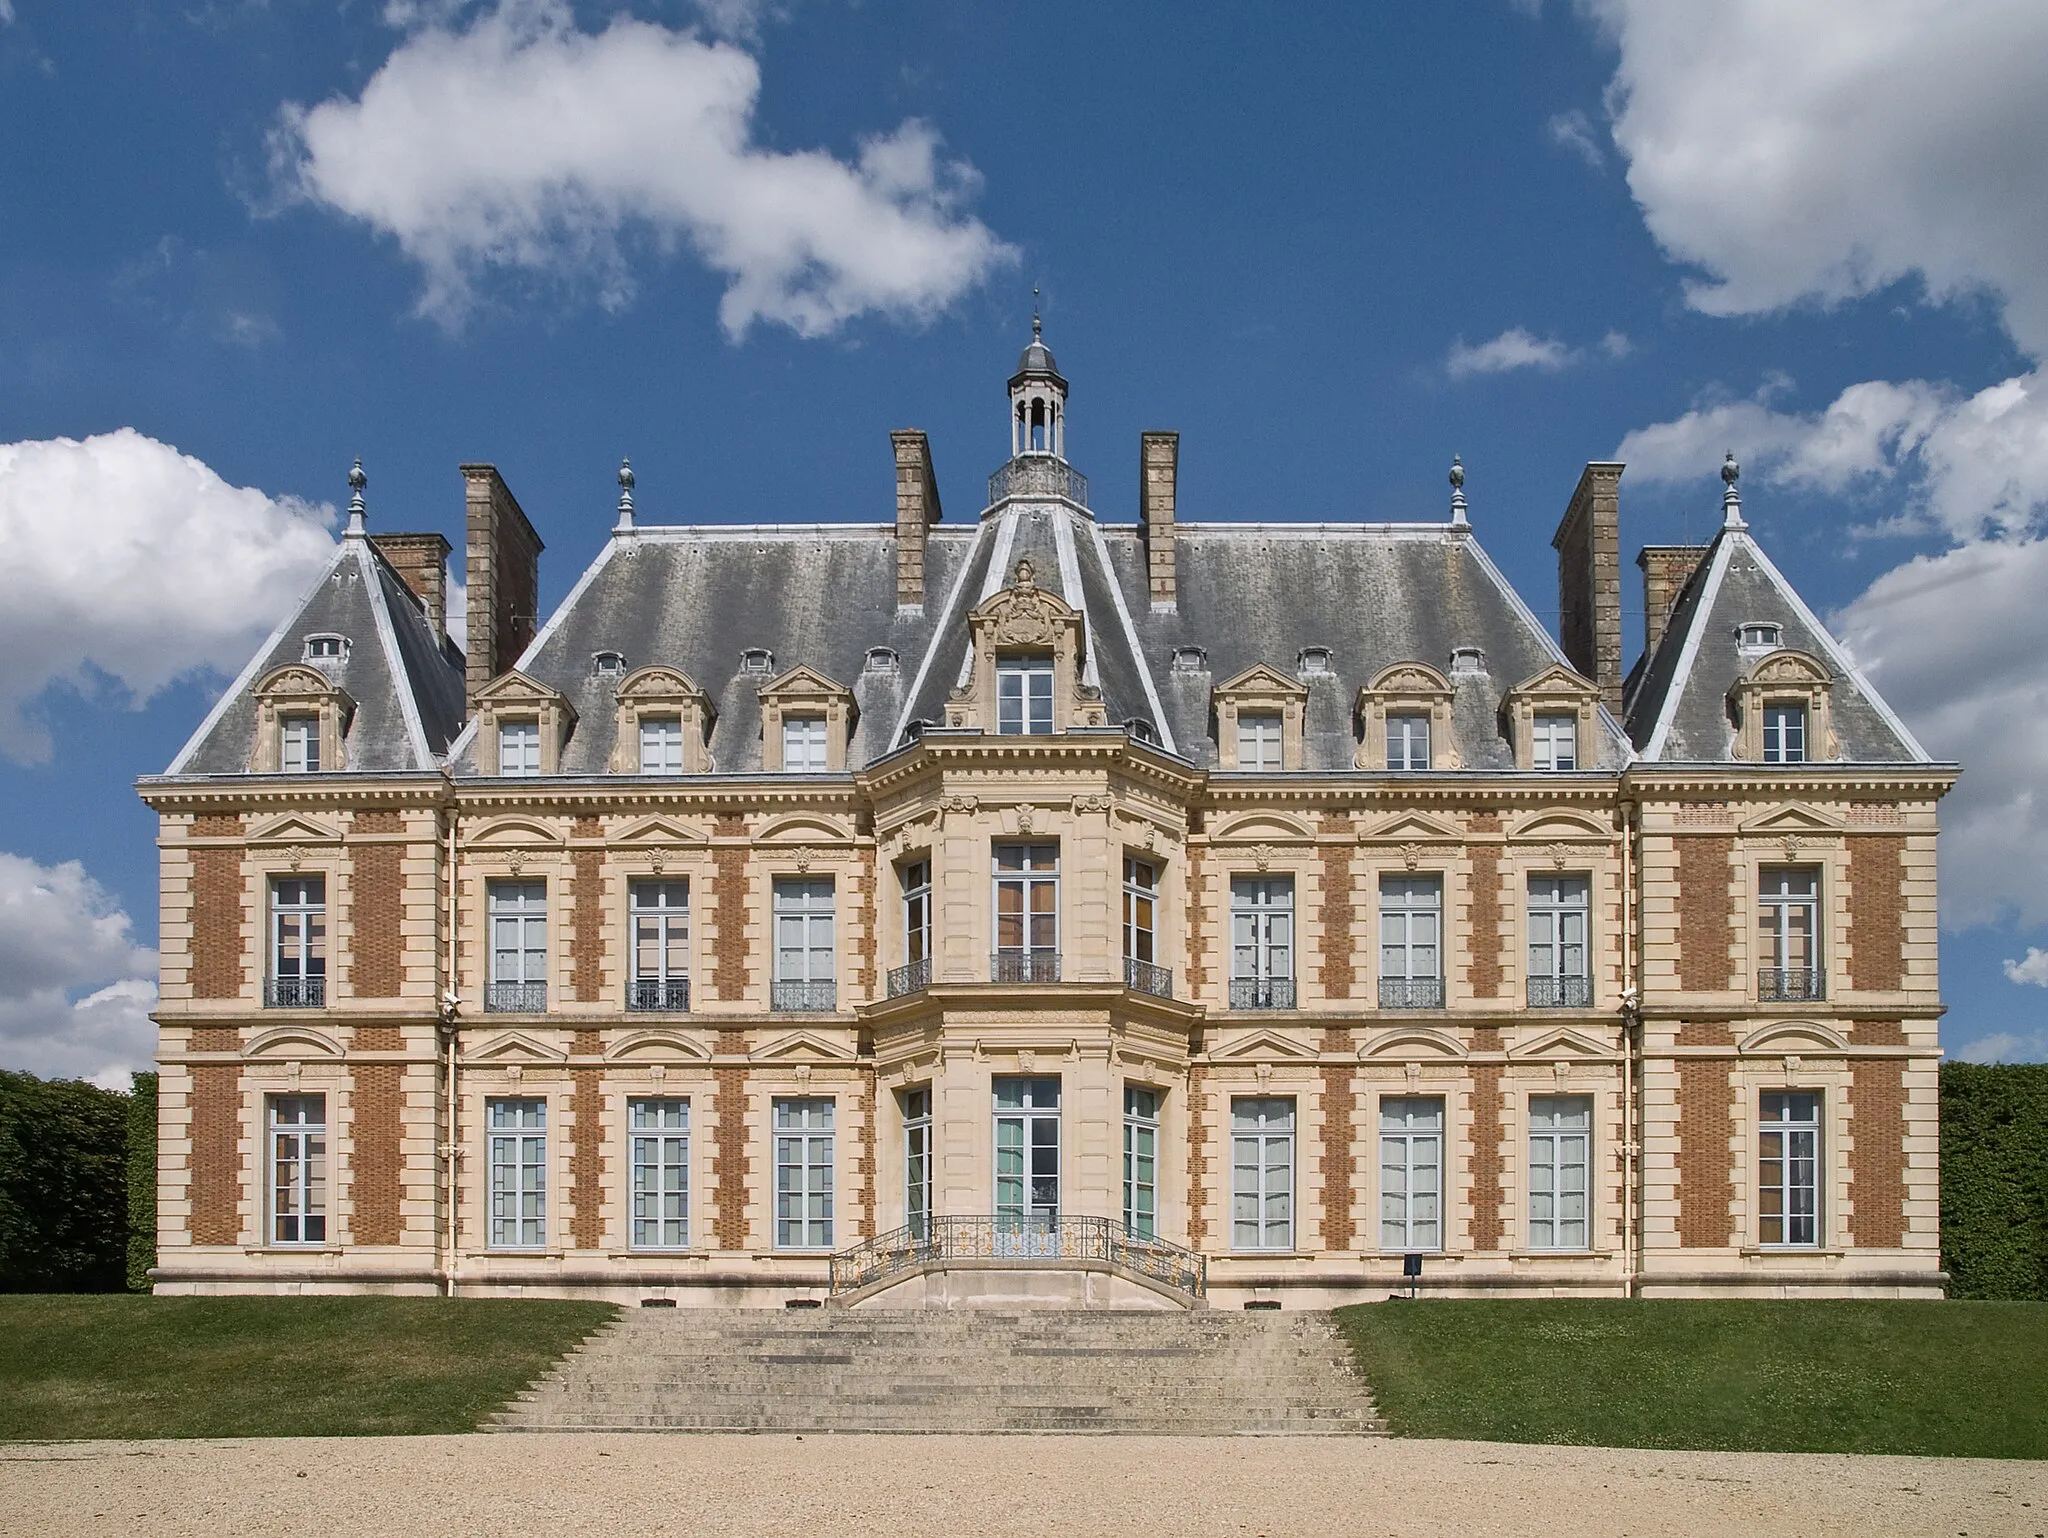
(937, 1370)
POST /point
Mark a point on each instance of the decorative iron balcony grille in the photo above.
(914, 978)
(1560, 992)
(671, 993)
(295, 993)
(1143, 977)
(1022, 1241)
(815, 997)
(1794, 983)
(1411, 993)
(516, 999)
(1040, 475)
(1024, 967)
(1262, 993)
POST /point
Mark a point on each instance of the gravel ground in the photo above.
(991, 1487)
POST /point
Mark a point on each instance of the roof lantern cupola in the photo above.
(1731, 499)
(1038, 398)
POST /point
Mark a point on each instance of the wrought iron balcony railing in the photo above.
(914, 978)
(1039, 474)
(1024, 967)
(295, 993)
(1144, 977)
(1793, 983)
(1560, 992)
(1019, 1240)
(667, 993)
(516, 999)
(1411, 993)
(816, 997)
(1262, 993)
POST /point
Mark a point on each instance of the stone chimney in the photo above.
(917, 509)
(1666, 570)
(1588, 545)
(422, 560)
(504, 577)
(1158, 486)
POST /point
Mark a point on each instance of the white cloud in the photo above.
(1617, 345)
(6, 10)
(75, 988)
(738, 21)
(2033, 968)
(124, 561)
(456, 621)
(1574, 131)
(1514, 348)
(524, 144)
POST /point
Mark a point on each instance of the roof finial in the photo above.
(356, 482)
(1036, 326)
(1731, 499)
(1459, 520)
(625, 523)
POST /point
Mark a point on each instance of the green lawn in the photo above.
(119, 1366)
(1953, 1379)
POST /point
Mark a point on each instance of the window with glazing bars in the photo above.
(300, 745)
(1262, 928)
(1141, 1162)
(1557, 941)
(1560, 1129)
(660, 1134)
(1027, 1148)
(1788, 1169)
(1411, 1173)
(518, 747)
(519, 1173)
(1554, 742)
(1258, 742)
(803, 1174)
(298, 1169)
(1788, 932)
(1141, 910)
(661, 744)
(298, 941)
(1407, 742)
(519, 942)
(661, 944)
(1027, 880)
(1262, 1174)
(805, 951)
(917, 1162)
(1411, 928)
(1023, 696)
(916, 877)
(1784, 734)
(803, 744)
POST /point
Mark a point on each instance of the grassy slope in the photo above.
(1955, 1379)
(118, 1366)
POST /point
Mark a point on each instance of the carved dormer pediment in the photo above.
(515, 699)
(803, 694)
(313, 707)
(1405, 692)
(1025, 624)
(679, 717)
(1566, 705)
(1785, 678)
(1260, 694)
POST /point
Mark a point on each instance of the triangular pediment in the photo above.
(1410, 827)
(801, 1046)
(1793, 818)
(516, 1047)
(1558, 682)
(1263, 828)
(1793, 1038)
(803, 683)
(1553, 824)
(1266, 1044)
(516, 688)
(658, 830)
(516, 832)
(1262, 679)
(1561, 1043)
(657, 1047)
(1414, 1043)
(292, 1041)
(292, 828)
(804, 829)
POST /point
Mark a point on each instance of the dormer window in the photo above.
(1024, 696)
(1313, 662)
(302, 719)
(1190, 659)
(1142, 730)
(757, 659)
(882, 659)
(1259, 738)
(1408, 742)
(663, 724)
(518, 748)
(327, 648)
(299, 745)
(1782, 710)
(803, 744)
(1784, 734)
(1554, 741)
(1759, 637)
(1467, 660)
(608, 664)
(1404, 720)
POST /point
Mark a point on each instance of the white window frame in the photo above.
(1260, 738)
(659, 908)
(917, 1161)
(298, 744)
(1412, 927)
(518, 749)
(806, 929)
(1560, 1172)
(658, 1128)
(298, 930)
(1141, 1161)
(1560, 919)
(803, 744)
(518, 1161)
(1778, 901)
(519, 931)
(1412, 1141)
(296, 1128)
(1554, 741)
(1035, 871)
(1262, 1172)
(1408, 744)
(915, 876)
(804, 1172)
(1141, 910)
(1021, 1190)
(1262, 928)
(661, 744)
(1788, 1166)
(1024, 696)
(1786, 731)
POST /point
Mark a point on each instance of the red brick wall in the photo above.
(376, 960)
(1877, 1162)
(587, 927)
(1339, 913)
(1877, 912)
(377, 1156)
(1705, 913)
(217, 967)
(866, 900)
(1704, 1128)
(1484, 937)
(1198, 965)
(1198, 1156)
(1340, 1167)
(729, 883)
(216, 1153)
(586, 1160)
(730, 1166)
(1486, 1170)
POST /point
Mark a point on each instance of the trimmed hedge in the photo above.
(63, 1186)
(141, 1181)
(1994, 1179)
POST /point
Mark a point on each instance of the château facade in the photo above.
(1043, 908)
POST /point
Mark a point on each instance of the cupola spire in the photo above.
(1038, 398)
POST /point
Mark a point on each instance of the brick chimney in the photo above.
(422, 560)
(917, 509)
(1158, 486)
(1666, 570)
(1588, 545)
(504, 577)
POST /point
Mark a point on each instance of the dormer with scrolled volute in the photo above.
(302, 721)
(1789, 680)
(1018, 637)
(1404, 690)
(677, 715)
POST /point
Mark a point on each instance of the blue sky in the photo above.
(243, 241)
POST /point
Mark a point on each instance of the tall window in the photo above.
(1023, 696)
(1258, 742)
(1559, 1129)
(1788, 933)
(1555, 742)
(1558, 977)
(1411, 942)
(1141, 930)
(1027, 878)
(661, 744)
(1411, 1174)
(661, 944)
(1262, 942)
(519, 947)
(1788, 1169)
(1141, 1162)
(1027, 1149)
(803, 744)
(298, 1169)
(300, 745)
(1784, 734)
(661, 1173)
(519, 1174)
(917, 1162)
(915, 876)
(1407, 742)
(1262, 1174)
(298, 942)
(803, 1174)
(519, 747)
(805, 950)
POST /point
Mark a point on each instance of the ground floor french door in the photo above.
(1027, 1165)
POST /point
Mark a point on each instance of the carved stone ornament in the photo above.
(1263, 1072)
(1026, 816)
(803, 1075)
(1414, 1072)
(1791, 1069)
(515, 1073)
(804, 856)
(1559, 855)
(1093, 804)
(657, 1073)
(517, 860)
(295, 856)
(1026, 617)
(1262, 856)
(1151, 840)
(959, 804)
(1791, 846)
(657, 860)
(1411, 855)
(1027, 1060)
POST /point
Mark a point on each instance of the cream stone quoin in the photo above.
(1048, 907)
